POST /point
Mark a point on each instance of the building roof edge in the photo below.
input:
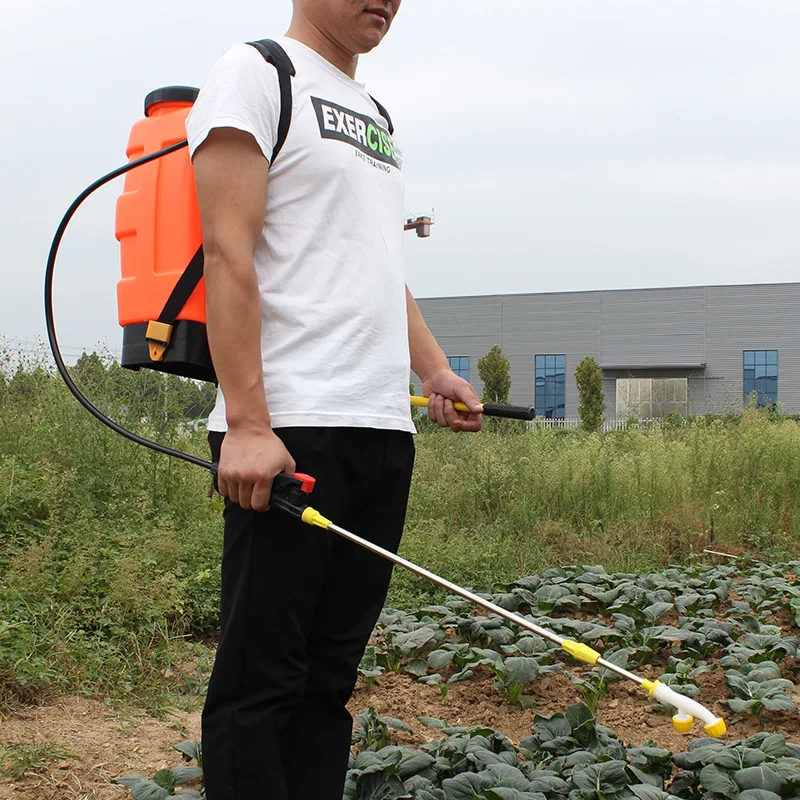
(606, 291)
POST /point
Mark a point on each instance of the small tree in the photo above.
(494, 371)
(589, 378)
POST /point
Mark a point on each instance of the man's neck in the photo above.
(305, 32)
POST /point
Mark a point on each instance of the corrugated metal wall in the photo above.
(655, 333)
(751, 318)
(652, 327)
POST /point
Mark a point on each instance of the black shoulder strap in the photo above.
(384, 113)
(274, 54)
(183, 289)
(187, 283)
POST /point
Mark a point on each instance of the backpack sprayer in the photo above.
(158, 226)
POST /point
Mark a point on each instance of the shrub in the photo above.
(494, 371)
(589, 378)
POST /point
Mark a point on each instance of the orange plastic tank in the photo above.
(158, 228)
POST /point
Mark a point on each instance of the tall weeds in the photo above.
(494, 506)
(108, 552)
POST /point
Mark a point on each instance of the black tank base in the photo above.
(187, 354)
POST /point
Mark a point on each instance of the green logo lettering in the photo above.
(372, 137)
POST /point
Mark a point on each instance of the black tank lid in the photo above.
(170, 94)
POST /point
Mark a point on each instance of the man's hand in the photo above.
(440, 385)
(442, 389)
(250, 459)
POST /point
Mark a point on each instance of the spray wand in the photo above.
(300, 486)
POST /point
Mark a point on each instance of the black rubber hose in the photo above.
(51, 328)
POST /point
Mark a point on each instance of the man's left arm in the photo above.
(440, 384)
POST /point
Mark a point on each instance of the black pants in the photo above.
(298, 607)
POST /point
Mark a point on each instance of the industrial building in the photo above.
(688, 350)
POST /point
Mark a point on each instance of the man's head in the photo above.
(356, 26)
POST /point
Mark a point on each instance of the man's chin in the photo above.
(369, 40)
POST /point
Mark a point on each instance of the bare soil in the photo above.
(106, 743)
(624, 709)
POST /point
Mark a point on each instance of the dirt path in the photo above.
(107, 744)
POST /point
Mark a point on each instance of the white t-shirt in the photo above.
(334, 333)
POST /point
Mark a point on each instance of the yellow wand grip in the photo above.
(422, 402)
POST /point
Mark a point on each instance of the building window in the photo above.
(761, 376)
(551, 386)
(459, 365)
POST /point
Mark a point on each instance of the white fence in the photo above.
(573, 423)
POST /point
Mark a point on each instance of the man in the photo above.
(312, 332)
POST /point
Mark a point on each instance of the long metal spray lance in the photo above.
(687, 708)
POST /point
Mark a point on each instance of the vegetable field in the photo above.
(727, 637)
(683, 622)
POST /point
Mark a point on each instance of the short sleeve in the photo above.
(241, 92)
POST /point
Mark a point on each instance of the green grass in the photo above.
(110, 552)
(492, 507)
(17, 760)
(109, 566)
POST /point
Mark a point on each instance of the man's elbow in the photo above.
(214, 259)
(221, 262)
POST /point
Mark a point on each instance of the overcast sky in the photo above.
(564, 144)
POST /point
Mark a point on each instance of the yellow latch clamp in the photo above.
(158, 335)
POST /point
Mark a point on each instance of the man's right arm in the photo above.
(231, 178)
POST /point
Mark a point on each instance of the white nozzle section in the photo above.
(688, 708)
(685, 705)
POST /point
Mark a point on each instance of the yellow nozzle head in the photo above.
(683, 725)
(717, 729)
